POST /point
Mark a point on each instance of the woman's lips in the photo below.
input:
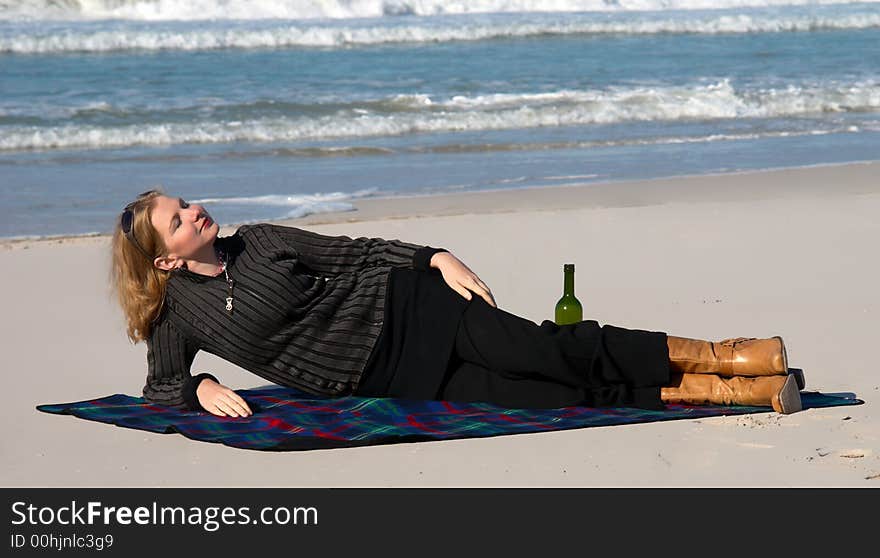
(206, 223)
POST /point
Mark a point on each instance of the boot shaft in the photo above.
(739, 356)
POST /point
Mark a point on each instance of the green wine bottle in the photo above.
(568, 309)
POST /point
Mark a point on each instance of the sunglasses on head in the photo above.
(127, 224)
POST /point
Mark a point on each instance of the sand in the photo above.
(790, 252)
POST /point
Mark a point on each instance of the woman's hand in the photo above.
(219, 400)
(460, 277)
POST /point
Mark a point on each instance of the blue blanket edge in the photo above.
(811, 400)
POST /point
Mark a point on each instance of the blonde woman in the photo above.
(384, 318)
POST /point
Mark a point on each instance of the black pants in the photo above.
(510, 361)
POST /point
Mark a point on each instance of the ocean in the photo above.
(270, 109)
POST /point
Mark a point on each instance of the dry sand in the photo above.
(790, 252)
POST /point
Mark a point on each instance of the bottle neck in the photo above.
(568, 283)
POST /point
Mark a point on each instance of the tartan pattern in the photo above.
(287, 419)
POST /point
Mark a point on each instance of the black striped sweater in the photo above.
(307, 311)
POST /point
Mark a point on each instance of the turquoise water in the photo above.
(299, 112)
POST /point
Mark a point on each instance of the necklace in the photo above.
(229, 282)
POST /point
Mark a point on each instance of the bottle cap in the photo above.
(568, 267)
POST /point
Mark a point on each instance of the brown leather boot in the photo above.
(779, 392)
(740, 356)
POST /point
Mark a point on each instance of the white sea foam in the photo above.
(477, 113)
(300, 204)
(117, 36)
(152, 10)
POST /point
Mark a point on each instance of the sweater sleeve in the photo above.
(341, 254)
(169, 358)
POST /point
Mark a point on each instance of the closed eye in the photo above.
(175, 222)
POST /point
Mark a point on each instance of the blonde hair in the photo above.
(139, 285)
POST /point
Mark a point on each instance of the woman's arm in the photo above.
(170, 355)
(169, 358)
(342, 254)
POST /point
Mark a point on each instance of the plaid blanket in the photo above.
(287, 419)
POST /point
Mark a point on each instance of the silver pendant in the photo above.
(229, 303)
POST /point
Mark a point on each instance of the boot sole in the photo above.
(788, 400)
(796, 372)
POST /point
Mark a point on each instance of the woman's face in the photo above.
(187, 229)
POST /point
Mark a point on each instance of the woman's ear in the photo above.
(168, 263)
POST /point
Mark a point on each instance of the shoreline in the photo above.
(795, 182)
